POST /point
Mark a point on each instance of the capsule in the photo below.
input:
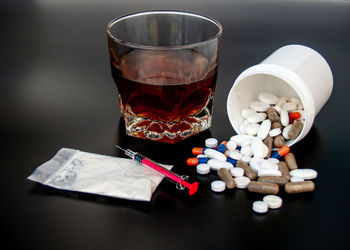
(196, 161)
(299, 187)
(248, 171)
(278, 141)
(291, 162)
(268, 141)
(280, 152)
(283, 168)
(272, 114)
(276, 125)
(222, 147)
(279, 180)
(263, 187)
(226, 176)
(294, 116)
(295, 129)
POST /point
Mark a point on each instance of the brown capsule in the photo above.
(263, 187)
(276, 125)
(295, 129)
(268, 141)
(226, 176)
(248, 171)
(283, 168)
(272, 114)
(278, 141)
(279, 180)
(290, 160)
(299, 187)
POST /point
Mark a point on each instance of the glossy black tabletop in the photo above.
(57, 91)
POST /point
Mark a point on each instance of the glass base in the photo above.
(169, 132)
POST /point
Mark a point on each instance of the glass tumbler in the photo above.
(164, 64)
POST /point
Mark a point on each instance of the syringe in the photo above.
(180, 181)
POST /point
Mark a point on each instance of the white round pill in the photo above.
(274, 132)
(260, 207)
(259, 106)
(235, 154)
(268, 98)
(211, 142)
(203, 168)
(218, 186)
(231, 145)
(273, 201)
(201, 156)
(237, 172)
(296, 179)
(242, 181)
(306, 173)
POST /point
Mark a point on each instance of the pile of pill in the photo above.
(247, 162)
(273, 119)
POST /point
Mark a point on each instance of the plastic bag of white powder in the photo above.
(80, 171)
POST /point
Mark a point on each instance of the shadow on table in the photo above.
(142, 206)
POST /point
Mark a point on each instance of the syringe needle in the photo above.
(120, 148)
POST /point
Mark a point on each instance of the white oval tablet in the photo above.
(305, 173)
(252, 129)
(246, 151)
(269, 172)
(274, 132)
(264, 129)
(268, 98)
(245, 113)
(216, 164)
(213, 154)
(242, 181)
(218, 186)
(273, 201)
(211, 143)
(260, 207)
(284, 118)
(296, 179)
(289, 106)
(237, 172)
(235, 154)
(203, 168)
(286, 131)
(239, 139)
(259, 106)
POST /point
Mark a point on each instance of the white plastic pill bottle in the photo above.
(291, 71)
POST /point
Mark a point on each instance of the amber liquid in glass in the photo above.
(165, 95)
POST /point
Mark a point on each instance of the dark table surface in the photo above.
(57, 91)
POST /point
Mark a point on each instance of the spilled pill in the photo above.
(299, 187)
(260, 207)
(218, 186)
(263, 187)
(273, 201)
(226, 176)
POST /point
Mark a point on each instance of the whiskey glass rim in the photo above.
(170, 47)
